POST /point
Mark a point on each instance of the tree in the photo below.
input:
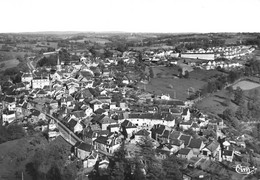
(54, 173)
(180, 72)
(187, 74)
(151, 73)
(228, 114)
(171, 168)
(238, 96)
(120, 168)
(152, 166)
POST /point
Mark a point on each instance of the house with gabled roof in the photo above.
(186, 139)
(36, 116)
(186, 114)
(227, 155)
(8, 116)
(41, 93)
(174, 134)
(196, 145)
(113, 127)
(211, 150)
(176, 145)
(95, 104)
(185, 153)
(143, 133)
(195, 127)
(91, 160)
(9, 103)
(185, 125)
(148, 120)
(129, 126)
(105, 122)
(164, 137)
(76, 126)
(83, 150)
(157, 130)
(106, 144)
(79, 115)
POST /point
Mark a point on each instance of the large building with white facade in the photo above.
(40, 82)
(205, 56)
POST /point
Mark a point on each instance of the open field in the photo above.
(246, 85)
(204, 75)
(92, 39)
(4, 56)
(178, 89)
(166, 81)
(9, 64)
(215, 103)
(162, 71)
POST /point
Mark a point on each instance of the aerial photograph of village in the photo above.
(129, 90)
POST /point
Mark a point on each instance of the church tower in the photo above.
(58, 63)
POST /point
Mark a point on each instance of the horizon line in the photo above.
(114, 32)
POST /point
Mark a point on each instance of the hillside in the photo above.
(16, 154)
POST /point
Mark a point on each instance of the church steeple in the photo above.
(58, 63)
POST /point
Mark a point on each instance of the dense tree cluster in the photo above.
(11, 132)
(48, 164)
(145, 165)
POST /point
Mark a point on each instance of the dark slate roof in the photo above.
(227, 152)
(195, 125)
(107, 120)
(72, 123)
(142, 132)
(174, 110)
(103, 133)
(85, 147)
(113, 125)
(98, 118)
(100, 111)
(212, 146)
(176, 142)
(174, 134)
(185, 112)
(184, 151)
(162, 116)
(169, 102)
(78, 114)
(195, 143)
(102, 140)
(158, 129)
(128, 124)
(9, 99)
(186, 123)
(186, 139)
(165, 134)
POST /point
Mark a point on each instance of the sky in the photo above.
(167, 16)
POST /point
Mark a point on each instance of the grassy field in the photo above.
(215, 103)
(166, 81)
(9, 64)
(178, 89)
(204, 75)
(93, 39)
(246, 85)
(4, 56)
